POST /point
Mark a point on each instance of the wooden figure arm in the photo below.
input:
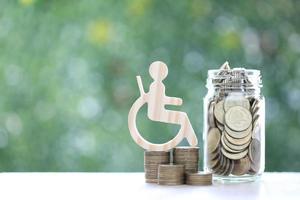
(173, 101)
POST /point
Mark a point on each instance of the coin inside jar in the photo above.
(219, 111)
(213, 140)
(241, 166)
(235, 147)
(238, 118)
(234, 156)
(254, 151)
(238, 134)
(236, 100)
(236, 141)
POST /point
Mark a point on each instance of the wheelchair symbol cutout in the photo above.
(156, 100)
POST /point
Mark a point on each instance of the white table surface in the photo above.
(102, 186)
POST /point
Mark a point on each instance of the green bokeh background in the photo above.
(67, 75)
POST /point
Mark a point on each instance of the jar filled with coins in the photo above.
(234, 124)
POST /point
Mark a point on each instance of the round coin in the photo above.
(234, 147)
(236, 100)
(234, 156)
(211, 118)
(254, 151)
(199, 178)
(213, 139)
(236, 141)
(238, 118)
(226, 147)
(239, 134)
(219, 112)
(241, 166)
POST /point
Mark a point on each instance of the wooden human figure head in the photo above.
(158, 71)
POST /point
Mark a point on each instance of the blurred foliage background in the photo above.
(68, 72)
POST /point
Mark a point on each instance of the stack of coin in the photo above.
(152, 159)
(171, 174)
(187, 156)
(233, 139)
(199, 178)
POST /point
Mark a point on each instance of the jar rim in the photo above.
(254, 72)
(234, 78)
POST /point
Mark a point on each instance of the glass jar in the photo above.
(234, 124)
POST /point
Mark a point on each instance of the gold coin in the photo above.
(213, 139)
(219, 111)
(241, 166)
(236, 100)
(238, 118)
(234, 156)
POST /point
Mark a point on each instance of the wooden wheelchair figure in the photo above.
(157, 99)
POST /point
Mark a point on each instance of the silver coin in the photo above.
(241, 166)
(235, 141)
(234, 156)
(238, 148)
(255, 151)
(220, 126)
(224, 145)
(213, 139)
(211, 118)
(219, 111)
(239, 134)
(236, 100)
(238, 118)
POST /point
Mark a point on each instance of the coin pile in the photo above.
(199, 178)
(184, 167)
(233, 140)
(171, 174)
(152, 159)
(187, 156)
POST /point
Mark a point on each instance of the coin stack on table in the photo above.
(152, 159)
(187, 156)
(159, 169)
(199, 178)
(171, 174)
(233, 141)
